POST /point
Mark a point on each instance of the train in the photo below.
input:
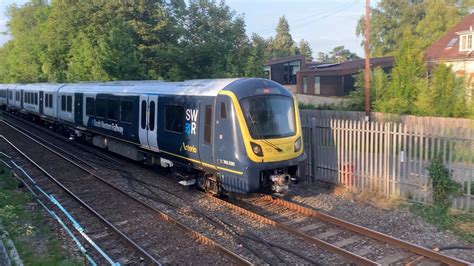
(239, 135)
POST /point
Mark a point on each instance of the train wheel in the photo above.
(210, 183)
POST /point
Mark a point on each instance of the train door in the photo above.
(41, 102)
(205, 132)
(225, 143)
(148, 121)
(21, 99)
(78, 110)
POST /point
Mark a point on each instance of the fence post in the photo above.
(387, 149)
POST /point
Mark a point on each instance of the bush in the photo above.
(444, 187)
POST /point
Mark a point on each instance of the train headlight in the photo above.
(298, 145)
(256, 149)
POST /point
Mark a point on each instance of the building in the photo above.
(336, 79)
(456, 49)
(284, 69)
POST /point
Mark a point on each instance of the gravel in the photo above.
(400, 222)
(395, 222)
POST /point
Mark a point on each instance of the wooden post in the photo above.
(367, 60)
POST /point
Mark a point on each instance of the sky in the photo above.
(325, 24)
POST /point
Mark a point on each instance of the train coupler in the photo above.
(281, 183)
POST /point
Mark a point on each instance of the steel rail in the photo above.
(196, 235)
(49, 143)
(427, 253)
(312, 240)
(103, 219)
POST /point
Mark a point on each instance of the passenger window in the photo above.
(46, 100)
(223, 111)
(174, 116)
(113, 109)
(143, 122)
(207, 124)
(36, 98)
(69, 104)
(152, 115)
(51, 101)
(63, 103)
(90, 106)
(100, 107)
(17, 96)
(126, 112)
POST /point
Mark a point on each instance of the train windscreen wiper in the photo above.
(260, 135)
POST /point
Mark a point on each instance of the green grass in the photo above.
(33, 239)
(462, 224)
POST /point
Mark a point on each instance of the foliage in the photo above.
(283, 44)
(460, 224)
(26, 226)
(444, 187)
(109, 40)
(407, 79)
(444, 95)
(305, 49)
(444, 190)
(63, 40)
(21, 59)
(379, 81)
(337, 55)
(427, 19)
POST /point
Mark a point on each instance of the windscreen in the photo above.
(269, 116)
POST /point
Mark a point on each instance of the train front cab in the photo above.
(258, 138)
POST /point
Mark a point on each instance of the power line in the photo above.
(306, 20)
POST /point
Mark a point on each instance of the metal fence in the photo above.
(388, 155)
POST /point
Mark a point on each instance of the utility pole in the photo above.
(367, 60)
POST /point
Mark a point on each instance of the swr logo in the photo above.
(191, 118)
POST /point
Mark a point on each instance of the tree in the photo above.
(427, 19)
(323, 57)
(407, 78)
(24, 54)
(84, 61)
(258, 56)
(119, 56)
(213, 44)
(283, 44)
(337, 55)
(444, 96)
(305, 49)
(379, 81)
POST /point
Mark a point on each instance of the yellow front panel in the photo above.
(269, 154)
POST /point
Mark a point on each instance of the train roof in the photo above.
(42, 86)
(203, 87)
(242, 87)
(8, 86)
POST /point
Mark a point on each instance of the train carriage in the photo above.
(226, 135)
(14, 96)
(4, 94)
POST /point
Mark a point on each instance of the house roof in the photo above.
(285, 59)
(447, 47)
(348, 67)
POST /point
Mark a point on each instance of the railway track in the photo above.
(166, 198)
(353, 242)
(129, 229)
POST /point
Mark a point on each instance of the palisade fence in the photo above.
(388, 155)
